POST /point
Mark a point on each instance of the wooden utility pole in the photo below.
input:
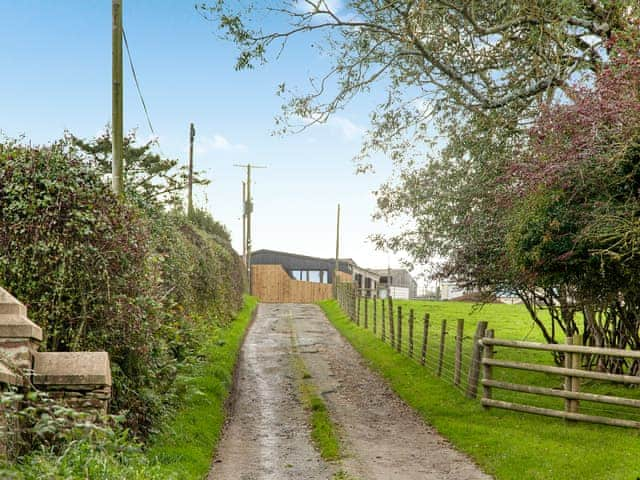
(244, 224)
(117, 129)
(337, 267)
(192, 136)
(248, 210)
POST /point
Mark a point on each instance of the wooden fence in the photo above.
(574, 353)
(439, 346)
(272, 284)
(470, 362)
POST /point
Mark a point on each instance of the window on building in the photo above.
(313, 276)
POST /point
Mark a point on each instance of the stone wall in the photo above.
(80, 380)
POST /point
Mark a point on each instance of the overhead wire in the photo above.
(137, 83)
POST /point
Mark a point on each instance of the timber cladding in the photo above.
(272, 284)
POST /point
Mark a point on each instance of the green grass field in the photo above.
(509, 322)
(506, 444)
(185, 448)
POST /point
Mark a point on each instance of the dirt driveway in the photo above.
(268, 437)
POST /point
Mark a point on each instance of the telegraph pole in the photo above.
(335, 273)
(192, 136)
(244, 224)
(248, 210)
(117, 132)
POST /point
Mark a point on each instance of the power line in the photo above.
(135, 79)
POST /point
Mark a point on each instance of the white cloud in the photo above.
(348, 129)
(309, 6)
(217, 143)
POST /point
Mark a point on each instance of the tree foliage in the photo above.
(573, 199)
(148, 176)
(437, 59)
(512, 125)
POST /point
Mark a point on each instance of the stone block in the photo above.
(13, 319)
(18, 326)
(72, 370)
(10, 305)
(8, 377)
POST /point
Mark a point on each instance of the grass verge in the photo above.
(185, 447)
(508, 445)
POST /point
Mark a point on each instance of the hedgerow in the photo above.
(99, 273)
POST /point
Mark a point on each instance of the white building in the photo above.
(450, 290)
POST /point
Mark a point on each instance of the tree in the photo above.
(150, 177)
(470, 53)
(574, 201)
(465, 80)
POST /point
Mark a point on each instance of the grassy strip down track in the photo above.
(185, 447)
(323, 431)
(508, 445)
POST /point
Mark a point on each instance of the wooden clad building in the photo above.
(281, 277)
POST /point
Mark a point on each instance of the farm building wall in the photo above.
(272, 284)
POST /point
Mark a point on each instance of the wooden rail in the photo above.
(567, 372)
(571, 371)
(549, 412)
(557, 347)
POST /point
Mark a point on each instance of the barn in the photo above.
(293, 278)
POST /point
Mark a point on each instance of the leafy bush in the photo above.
(100, 274)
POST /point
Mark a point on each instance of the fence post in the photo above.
(575, 364)
(366, 312)
(572, 384)
(443, 336)
(399, 332)
(474, 369)
(411, 318)
(392, 338)
(382, 319)
(458, 364)
(358, 305)
(375, 314)
(353, 303)
(486, 369)
(425, 337)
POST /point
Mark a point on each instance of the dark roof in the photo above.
(294, 261)
(265, 256)
(289, 254)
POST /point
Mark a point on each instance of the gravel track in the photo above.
(268, 438)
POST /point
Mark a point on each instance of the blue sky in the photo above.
(56, 76)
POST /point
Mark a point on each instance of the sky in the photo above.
(56, 76)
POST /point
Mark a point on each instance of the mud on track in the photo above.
(268, 438)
